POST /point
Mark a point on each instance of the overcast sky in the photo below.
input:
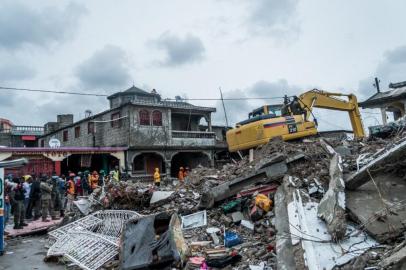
(255, 48)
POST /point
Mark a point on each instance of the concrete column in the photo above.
(383, 113)
(58, 167)
(167, 168)
(212, 159)
(209, 122)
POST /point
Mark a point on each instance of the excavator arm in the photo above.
(321, 99)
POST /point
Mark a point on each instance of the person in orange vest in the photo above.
(181, 176)
(157, 177)
(70, 192)
(94, 180)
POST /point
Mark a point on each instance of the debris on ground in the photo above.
(331, 203)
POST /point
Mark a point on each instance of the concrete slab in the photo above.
(27, 253)
(33, 227)
(158, 196)
(237, 216)
(382, 221)
(396, 260)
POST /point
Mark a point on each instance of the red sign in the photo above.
(28, 138)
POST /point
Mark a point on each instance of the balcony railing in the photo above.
(192, 134)
(24, 130)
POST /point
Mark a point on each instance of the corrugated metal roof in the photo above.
(382, 97)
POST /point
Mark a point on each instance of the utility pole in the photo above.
(224, 107)
(376, 85)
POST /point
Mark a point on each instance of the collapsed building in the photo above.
(157, 133)
(316, 204)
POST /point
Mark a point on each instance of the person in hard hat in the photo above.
(181, 175)
(157, 177)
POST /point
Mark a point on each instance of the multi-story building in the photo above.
(158, 133)
(18, 136)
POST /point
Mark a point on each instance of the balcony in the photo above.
(193, 138)
(27, 130)
(193, 134)
(24, 130)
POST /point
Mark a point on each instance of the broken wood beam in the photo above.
(391, 155)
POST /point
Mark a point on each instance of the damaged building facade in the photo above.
(158, 133)
(393, 101)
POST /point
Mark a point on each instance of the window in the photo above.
(65, 136)
(156, 118)
(77, 132)
(42, 143)
(116, 123)
(144, 118)
(90, 128)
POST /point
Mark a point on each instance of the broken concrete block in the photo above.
(395, 261)
(390, 155)
(158, 196)
(332, 206)
(322, 253)
(247, 224)
(273, 171)
(237, 216)
(383, 219)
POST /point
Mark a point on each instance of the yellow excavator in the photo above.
(291, 120)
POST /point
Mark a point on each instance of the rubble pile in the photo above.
(316, 204)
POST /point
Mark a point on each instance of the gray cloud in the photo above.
(21, 25)
(14, 71)
(274, 17)
(278, 88)
(180, 51)
(37, 109)
(106, 68)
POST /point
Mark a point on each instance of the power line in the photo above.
(52, 91)
(105, 95)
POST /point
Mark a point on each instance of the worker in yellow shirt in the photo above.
(157, 177)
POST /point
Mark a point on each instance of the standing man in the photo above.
(62, 193)
(157, 177)
(27, 190)
(46, 204)
(70, 192)
(17, 203)
(93, 180)
(55, 198)
(35, 198)
(181, 175)
(116, 174)
(102, 176)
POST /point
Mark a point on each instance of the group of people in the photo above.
(31, 197)
(182, 175)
